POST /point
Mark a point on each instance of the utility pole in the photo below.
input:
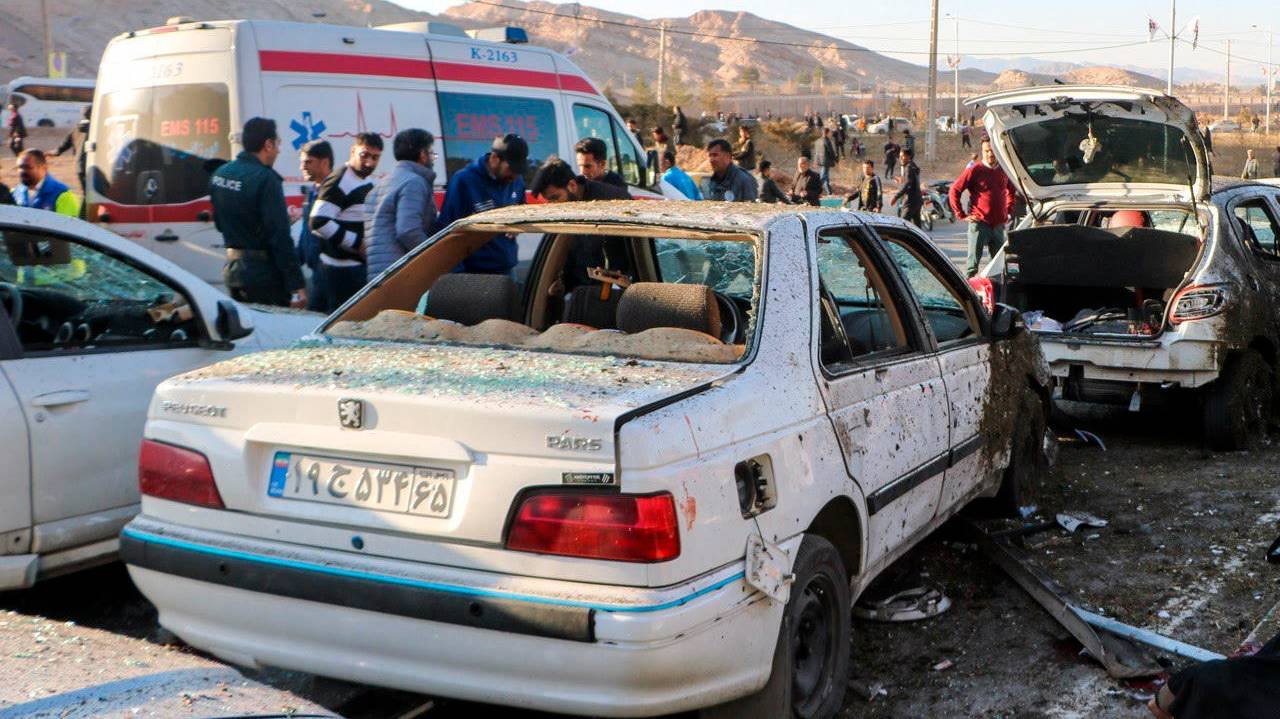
(48, 33)
(1173, 40)
(955, 117)
(1226, 87)
(662, 63)
(931, 133)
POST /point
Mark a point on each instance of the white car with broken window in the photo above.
(648, 474)
(90, 323)
(1140, 272)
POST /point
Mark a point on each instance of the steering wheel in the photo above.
(731, 318)
(11, 296)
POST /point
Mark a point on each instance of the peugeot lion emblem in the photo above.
(351, 413)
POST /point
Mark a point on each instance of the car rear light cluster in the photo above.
(176, 473)
(986, 290)
(1198, 302)
(595, 525)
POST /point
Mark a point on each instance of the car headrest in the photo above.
(470, 299)
(584, 306)
(647, 305)
(1128, 218)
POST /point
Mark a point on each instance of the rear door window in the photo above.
(471, 122)
(950, 314)
(158, 145)
(1257, 227)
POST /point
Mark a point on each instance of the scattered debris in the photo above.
(1150, 638)
(943, 665)
(869, 692)
(1071, 521)
(908, 605)
(1090, 438)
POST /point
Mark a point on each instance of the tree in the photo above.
(819, 76)
(708, 96)
(677, 90)
(749, 74)
(900, 108)
(641, 93)
(804, 77)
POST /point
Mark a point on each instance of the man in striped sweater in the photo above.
(337, 218)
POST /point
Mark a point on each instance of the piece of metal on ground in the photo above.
(1023, 531)
(1145, 636)
(1090, 438)
(1121, 657)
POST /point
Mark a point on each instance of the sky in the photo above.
(1067, 31)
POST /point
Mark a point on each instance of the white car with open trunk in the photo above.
(651, 477)
(1139, 271)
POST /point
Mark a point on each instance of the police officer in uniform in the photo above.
(249, 210)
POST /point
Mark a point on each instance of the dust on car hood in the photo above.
(1078, 141)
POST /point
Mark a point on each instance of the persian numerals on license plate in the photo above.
(400, 488)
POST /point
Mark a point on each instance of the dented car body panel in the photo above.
(870, 434)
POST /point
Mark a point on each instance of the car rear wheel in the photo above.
(1238, 406)
(811, 658)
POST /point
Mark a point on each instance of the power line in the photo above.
(817, 44)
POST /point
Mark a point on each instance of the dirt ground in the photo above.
(62, 167)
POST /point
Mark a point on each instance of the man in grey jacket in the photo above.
(728, 182)
(402, 206)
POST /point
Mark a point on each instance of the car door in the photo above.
(15, 475)
(97, 333)
(1257, 222)
(956, 326)
(882, 387)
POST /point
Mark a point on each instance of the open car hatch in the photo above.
(1075, 141)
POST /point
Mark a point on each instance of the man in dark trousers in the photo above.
(829, 157)
(593, 162)
(745, 153)
(338, 219)
(909, 193)
(556, 182)
(69, 144)
(891, 150)
(870, 196)
(495, 179)
(250, 212)
(315, 162)
(991, 197)
(680, 125)
(807, 186)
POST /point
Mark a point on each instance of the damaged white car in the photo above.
(1138, 270)
(651, 478)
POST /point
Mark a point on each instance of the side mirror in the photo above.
(228, 323)
(1006, 321)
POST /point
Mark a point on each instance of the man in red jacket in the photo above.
(991, 197)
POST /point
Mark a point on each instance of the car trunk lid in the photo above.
(1117, 143)
(425, 440)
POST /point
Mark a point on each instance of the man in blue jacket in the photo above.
(38, 189)
(495, 179)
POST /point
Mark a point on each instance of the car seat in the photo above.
(584, 305)
(470, 299)
(647, 305)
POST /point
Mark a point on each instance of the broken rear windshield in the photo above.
(1074, 150)
(627, 290)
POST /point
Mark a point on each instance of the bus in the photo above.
(48, 102)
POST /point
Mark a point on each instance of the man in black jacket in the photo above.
(769, 190)
(910, 190)
(593, 160)
(829, 158)
(745, 153)
(807, 187)
(556, 182)
(869, 197)
(891, 151)
(69, 143)
(680, 125)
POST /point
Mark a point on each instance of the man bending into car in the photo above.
(556, 182)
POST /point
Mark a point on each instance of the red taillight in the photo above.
(176, 473)
(986, 292)
(1197, 302)
(622, 527)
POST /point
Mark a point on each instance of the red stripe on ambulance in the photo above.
(339, 64)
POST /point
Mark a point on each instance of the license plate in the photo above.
(424, 491)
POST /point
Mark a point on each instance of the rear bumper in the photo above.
(582, 648)
(1180, 361)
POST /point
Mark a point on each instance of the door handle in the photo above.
(60, 397)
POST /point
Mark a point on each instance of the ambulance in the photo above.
(171, 100)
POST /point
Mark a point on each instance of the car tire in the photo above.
(811, 658)
(1026, 457)
(1238, 405)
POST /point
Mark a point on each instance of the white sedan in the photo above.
(90, 323)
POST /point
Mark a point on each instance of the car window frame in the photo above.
(201, 338)
(1269, 205)
(951, 277)
(919, 341)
